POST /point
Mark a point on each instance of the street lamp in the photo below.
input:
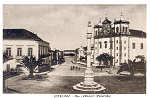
(88, 84)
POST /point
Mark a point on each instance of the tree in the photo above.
(131, 68)
(106, 58)
(31, 63)
(5, 57)
(141, 57)
(139, 63)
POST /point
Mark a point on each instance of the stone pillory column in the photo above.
(89, 84)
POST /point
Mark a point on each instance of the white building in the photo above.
(118, 40)
(81, 52)
(21, 42)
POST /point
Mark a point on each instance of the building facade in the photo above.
(118, 40)
(57, 57)
(20, 42)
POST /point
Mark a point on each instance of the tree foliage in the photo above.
(31, 63)
(105, 58)
(5, 57)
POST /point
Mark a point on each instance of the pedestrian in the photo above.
(73, 67)
(79, 68)
(70, 67)
(76, 67)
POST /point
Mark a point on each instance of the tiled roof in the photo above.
(106, 21)
(20, 34)
(134, 33)
(137, 33)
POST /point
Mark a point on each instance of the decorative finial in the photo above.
(99, 22)
(121, 15)
(89, 24)
(106, 16)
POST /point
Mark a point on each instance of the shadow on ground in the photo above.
(114, 85)
(64, 84)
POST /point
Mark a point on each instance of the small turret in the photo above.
(106, 26)
(121, 26)
(90, 27)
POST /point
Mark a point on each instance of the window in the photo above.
(125, 54)
(19, 51)
(117, 54)
(123, 29)
(39, 51)
(111, 45)
(124, 48)
(124, 42)
(117, 29)
(100, 44)
(133, 45)
(117, 61)
(30, 50)
(43, 50)
(126, 29)
(117, 41)
(141, 45)
(117, 48)
(8, 51)
(105, 44)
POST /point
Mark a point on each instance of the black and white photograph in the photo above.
(74, 48)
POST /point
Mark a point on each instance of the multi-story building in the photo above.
(21, 42)
(118, 40)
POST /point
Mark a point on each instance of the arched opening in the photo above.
(117, 29)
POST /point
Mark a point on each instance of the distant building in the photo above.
(118, 40)
(81, 53)
(57, 57)
(69, 52)
(21, 42)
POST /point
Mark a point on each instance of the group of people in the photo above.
(74, 68)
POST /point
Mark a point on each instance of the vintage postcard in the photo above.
(74, 49)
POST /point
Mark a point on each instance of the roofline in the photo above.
(121, 21)
(118, 35)
(25, 39)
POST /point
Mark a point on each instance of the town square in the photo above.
(74, 49)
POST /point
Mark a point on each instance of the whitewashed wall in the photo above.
(127, 51)
(24, 44)
(137, 51)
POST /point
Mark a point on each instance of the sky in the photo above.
(65, 26)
